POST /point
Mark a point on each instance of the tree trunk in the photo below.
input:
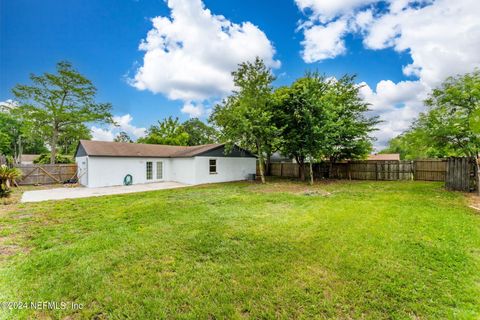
(53, 152)
(268, 170)
(301, 167)
(330, 169)
(16, 156)
(261, 162)
(261, 167)
(311, 172)
(20, 149)
(477, 169)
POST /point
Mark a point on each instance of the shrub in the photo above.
(59, 158)
(7, 179)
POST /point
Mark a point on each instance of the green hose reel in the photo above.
(128, 180)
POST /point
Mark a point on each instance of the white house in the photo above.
(102, 163)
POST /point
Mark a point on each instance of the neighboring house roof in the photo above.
(384, 156)
(122, 149)
(28, 157)
(278, 157)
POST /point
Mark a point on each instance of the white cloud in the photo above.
(388, 95)
(397, 105)
(441, 36)
(123, 123)
(324, 42)
(101, 134)
(190, 55)
(193, 110)
(363, 20)
(7, 105)
(326, 10)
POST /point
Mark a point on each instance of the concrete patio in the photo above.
(82, 192)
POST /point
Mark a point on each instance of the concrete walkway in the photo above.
(82, 192)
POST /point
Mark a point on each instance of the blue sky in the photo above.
(377, 40)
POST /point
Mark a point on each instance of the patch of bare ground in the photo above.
(7, 248)
(292, 186)
(474, 202)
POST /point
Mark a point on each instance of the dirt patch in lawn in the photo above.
(7, 248)
(294, 187)
(474, 202)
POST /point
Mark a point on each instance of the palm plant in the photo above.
(7, 179)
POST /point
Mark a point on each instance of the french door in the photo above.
(159, 170)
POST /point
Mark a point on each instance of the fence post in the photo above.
(412, 174)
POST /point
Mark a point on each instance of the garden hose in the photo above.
(128, 180)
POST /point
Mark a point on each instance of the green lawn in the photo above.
(361, 250)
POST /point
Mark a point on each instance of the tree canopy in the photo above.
(451, 124)
(169, 131)
(199, 132)
(122, 136)
(16, 137)
(322, 118)
(56, 103)
(245, 117)
(300, 113)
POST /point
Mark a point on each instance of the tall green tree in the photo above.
(322, 118)
(415, 143)
(451, 118)
(9, 134)
(17, 138)
(349, 127)
(122, 136)
(199, 132)
(245, 117)
(53, 103)
(169, 132)
(410, 145)
(301, 115)
(69, 137)
(451, 124)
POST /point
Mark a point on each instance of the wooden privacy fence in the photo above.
(46, 173)
(430, 170)
(425, 170)
(365, 170)
(460, 174)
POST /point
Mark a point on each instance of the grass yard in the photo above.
(361, 250)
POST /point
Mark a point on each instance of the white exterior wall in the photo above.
(228, 169)
(110, 171)
(82, 171)
(182, 170)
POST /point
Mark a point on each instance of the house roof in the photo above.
(28, 157)
(384, 156)
(122, 149)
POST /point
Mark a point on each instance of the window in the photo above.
(213, 166)
(159, 170)
(149, 170)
